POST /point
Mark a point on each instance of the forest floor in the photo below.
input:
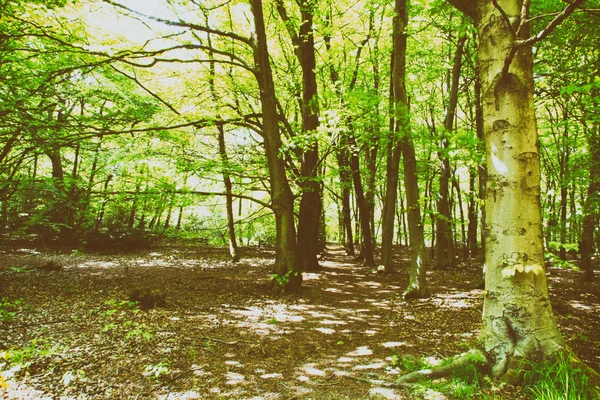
(73, 333)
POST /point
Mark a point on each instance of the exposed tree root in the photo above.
(478, 360)
(474, 358)
(415, 292)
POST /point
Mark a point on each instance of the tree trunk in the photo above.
(399, 118)
(403, 230)
(233, 247)
(167, 223)
(472, 216)
(346, 183)
(310, 202)
(100, 217)
(418, 265)
(134, 204)
(179, 218)
(444, 250)
(591, 207)
(363, 212)
(463, 235)
(518, 322)
(288, 276)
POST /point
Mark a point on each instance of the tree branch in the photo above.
(191, 192)
(151, 93)
(467, 7)
(551, 26)
(182, 24)
(505, 18)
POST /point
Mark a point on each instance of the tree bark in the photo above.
(310, 202)
(418, 264)
(591, 207)
(346, 183)
(233, 247)
(363, 213)
(518, 322)
(399, 120)
(444, 250)
(288, 277)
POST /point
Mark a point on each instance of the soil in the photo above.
(221, 335)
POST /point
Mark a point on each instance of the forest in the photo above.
(299, 199)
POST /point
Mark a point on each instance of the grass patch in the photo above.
(559, 379)
(465, 382)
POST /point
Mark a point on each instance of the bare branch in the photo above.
(151, 93)
(541, 35)
(551, 26)
(183, 24)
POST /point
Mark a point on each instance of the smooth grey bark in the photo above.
(518, 322)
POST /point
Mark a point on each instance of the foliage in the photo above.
(466, 381)
(120, 320)
(559, 379)
(157, 370)
(9, 309)
(17, 360)
(407, 363)
(283, 279)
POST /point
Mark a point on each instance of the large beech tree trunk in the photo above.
(518, 321)
(286, 259)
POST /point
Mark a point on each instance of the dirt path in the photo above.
(76, 335)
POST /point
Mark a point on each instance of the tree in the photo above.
(444, 250)
(310, 202)
(518, 322)
(418, 264)
(288, 277)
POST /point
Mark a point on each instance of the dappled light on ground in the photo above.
(221, 336)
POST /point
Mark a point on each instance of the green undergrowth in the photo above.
(16, 361)
(466, 381)
(559, 379)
